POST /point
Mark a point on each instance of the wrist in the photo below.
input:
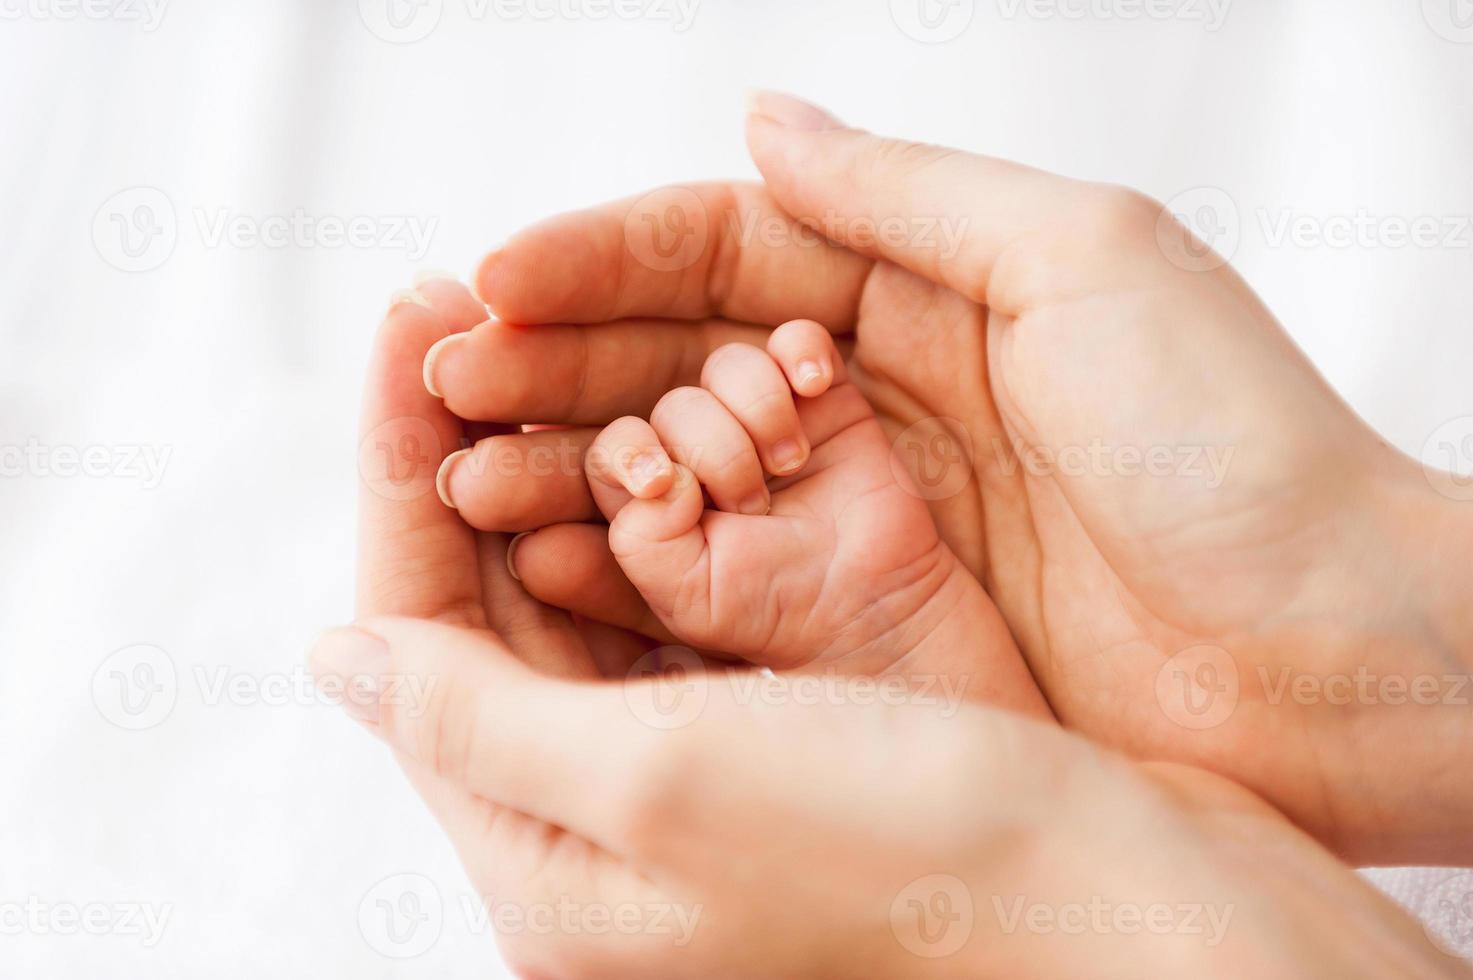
(957, 634)
(1408, 606)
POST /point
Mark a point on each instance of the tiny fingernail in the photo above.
(757, 505)
(433, 275)
(645, 469)
(431, 356)
(442, 476)
(357, 661)
(808, 372)
(790, 112)
(787, 456)
(511, 555)
(413, 296)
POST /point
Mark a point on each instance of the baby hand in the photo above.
(834, 560)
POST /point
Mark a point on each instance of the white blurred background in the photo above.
(205, 381)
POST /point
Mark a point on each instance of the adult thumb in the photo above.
(944, 214)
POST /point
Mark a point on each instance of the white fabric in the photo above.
(264, 827)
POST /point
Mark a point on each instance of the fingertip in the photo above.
(811, 377)
(650, 474)
(483, 279)
(446, 474)
(806, 352)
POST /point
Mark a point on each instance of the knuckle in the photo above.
(643, 812)
(676, 403)
(441, 726)
(885, 160)
(1115, 215)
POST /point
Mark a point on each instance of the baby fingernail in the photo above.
(352, 662)
(645, 469)
(757, 505)
(787, 456)
(809, 372)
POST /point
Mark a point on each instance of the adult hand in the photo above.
(650, 829)
(1179, 520)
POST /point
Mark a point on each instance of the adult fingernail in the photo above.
(808, 372)
(790, 112)
(757, 505)
(413, 296)
(433, 275)
(511, 555)
(645, 469)
(356, 661)
(482, 270)
(442, 476)
(432, 356)
(788, 456)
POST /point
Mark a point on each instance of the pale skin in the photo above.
(1066, 316)
(558, 795)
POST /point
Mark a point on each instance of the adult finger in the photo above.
(521, 480)
(580, 375)
(416, 558)
(685, 252)
(571, 567)
(576, 755)
(947, 215)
